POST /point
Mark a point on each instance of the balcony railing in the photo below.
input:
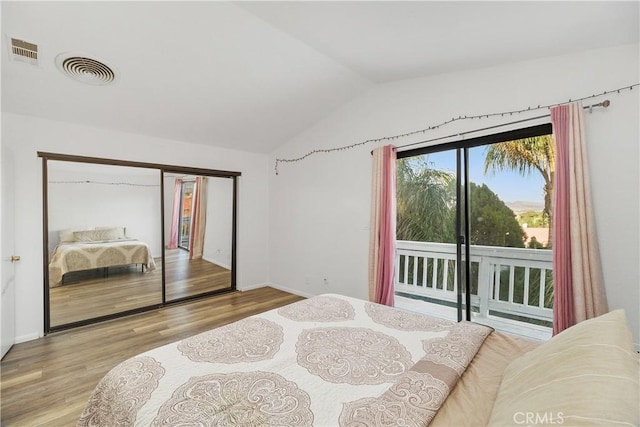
(508, 285)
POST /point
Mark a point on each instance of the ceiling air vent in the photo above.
(86, 70)
(24, 51)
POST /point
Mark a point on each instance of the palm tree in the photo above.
(525, 155)
(423, 202)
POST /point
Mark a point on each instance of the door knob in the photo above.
(14, 258)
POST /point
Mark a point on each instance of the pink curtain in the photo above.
(579, 292)
(382, 244)
(175, 215)
(198, 218)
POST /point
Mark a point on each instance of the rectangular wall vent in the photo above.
(24, 51)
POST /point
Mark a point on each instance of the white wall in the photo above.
(319, 207)
(217, 238)
(27, 135)
(83, 196)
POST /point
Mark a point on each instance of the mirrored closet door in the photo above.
(104, 249)
(198, 212)
(123, 237)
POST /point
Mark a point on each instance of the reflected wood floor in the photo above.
(186, 278)
(88, 294)
(47, 382)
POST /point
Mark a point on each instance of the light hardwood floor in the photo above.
(89, 294)
(187, 278)
(47, 382)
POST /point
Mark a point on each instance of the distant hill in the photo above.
(523, 206)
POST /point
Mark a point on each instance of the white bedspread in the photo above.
(79, 256)
(326, 361)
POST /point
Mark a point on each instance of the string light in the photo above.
(104, 183)
(444, 123)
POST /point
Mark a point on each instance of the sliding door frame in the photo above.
(463, 231)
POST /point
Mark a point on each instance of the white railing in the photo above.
(505, 282)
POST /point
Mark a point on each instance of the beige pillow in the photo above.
(66, 236)
(121, 232)
(96, 235)
(586, 375)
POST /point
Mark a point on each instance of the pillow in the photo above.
(121, 232)
(96, 235)
(586, 375)
(66, 236)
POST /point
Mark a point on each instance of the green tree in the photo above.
(426, 208)
(534, 244)
(423, 202)
(525, 155)
(492, 222)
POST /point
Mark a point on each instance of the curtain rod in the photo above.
(603, 104)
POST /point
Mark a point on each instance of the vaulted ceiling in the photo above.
(250, 75)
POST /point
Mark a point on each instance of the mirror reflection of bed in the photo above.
(105, 253)
(198, 234)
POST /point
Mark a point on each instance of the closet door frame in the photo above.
(161, 168)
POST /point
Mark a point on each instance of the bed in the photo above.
(332, 360)
(80, 250)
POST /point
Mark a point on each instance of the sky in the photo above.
(509, 186)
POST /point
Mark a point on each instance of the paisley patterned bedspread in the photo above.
(78, 256)
(326, 361)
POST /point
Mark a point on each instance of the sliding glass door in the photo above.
(474, 235)
(184, 230)
(510, 253)
(428, 221)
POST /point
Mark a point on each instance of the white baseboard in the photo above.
(291, 291)
(28, 337)
(251, 287)
(275, 286)
(228, 267)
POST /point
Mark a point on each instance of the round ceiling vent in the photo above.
(86, 70)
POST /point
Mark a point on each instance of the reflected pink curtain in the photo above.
(579, 292)
(175, 215)
(382, 243)
(198, 218)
